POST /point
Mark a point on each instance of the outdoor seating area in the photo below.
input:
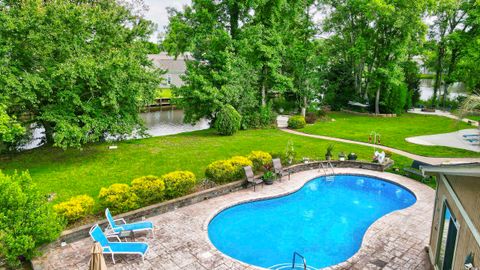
(181, 240)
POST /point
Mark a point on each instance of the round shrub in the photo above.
(296, 122)
(178, 183)
(118, 198)
(149, 189)
(228, 121)
(259, 159)
(238, 162)
(75, 208)
(220, 171)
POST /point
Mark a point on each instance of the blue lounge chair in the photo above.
(115, 228)
(113, 248)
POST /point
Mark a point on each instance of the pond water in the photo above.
(426, 89)
(158, 123)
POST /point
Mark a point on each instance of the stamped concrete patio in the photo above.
(396, 241)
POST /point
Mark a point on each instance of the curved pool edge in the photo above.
(302, 178)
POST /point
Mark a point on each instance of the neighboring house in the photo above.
(455, 238)
(174, 67)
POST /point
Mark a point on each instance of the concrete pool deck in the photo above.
(457, 139)
(395, 241)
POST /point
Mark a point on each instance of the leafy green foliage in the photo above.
(260, 159)
(296, 122)
(26, 219)
(75, 208)
(10, 128)
(79, 68)
(118, 198)
(227, 121)
(149, 189)
(178, 183)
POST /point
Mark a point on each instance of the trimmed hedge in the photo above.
(222, 171)
(260, 159)
(118, 198)
(296, 122)
(75, 208)
(178, 183)
(228, 121)
(149, 189)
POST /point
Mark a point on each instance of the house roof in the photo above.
(462, 169)
(171, 64)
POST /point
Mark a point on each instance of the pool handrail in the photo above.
(295, 254)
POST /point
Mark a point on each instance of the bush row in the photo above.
(223, 171)
(120, 198)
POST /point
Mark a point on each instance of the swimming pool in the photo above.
(325, 221)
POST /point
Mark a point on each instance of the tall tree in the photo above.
(79, 68)
(372, 37)
(302, 51)
(445, 32)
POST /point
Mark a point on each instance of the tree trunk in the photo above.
(438, 74)
(234, 11)
(264, 87)
(445, 95)
(304, 108)
(48, 132)
(377, 101)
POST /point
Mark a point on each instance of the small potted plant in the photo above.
(268, 177)
(352, 156)
(341, 156)
(328, 154)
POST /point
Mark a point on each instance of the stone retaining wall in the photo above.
(81, 232)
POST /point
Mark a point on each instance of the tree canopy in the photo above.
(79, 68)
(245, 53)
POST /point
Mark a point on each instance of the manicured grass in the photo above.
(474, 117)
(73, 172)
(393, 131)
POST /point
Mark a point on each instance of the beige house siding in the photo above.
(467, 190)
(175, 68)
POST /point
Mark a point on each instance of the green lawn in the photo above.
(393, 131)
(474, 117)
(74, 172)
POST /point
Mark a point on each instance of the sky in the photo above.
(157, 12)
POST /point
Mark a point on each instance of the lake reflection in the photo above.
(161, 123)
(158, 123)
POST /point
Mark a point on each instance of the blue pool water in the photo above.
(325, 221)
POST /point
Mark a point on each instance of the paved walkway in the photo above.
(395, 241)
(429, 160)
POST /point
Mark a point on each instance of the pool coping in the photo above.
(367, 235)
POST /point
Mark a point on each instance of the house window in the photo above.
(169, 79)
